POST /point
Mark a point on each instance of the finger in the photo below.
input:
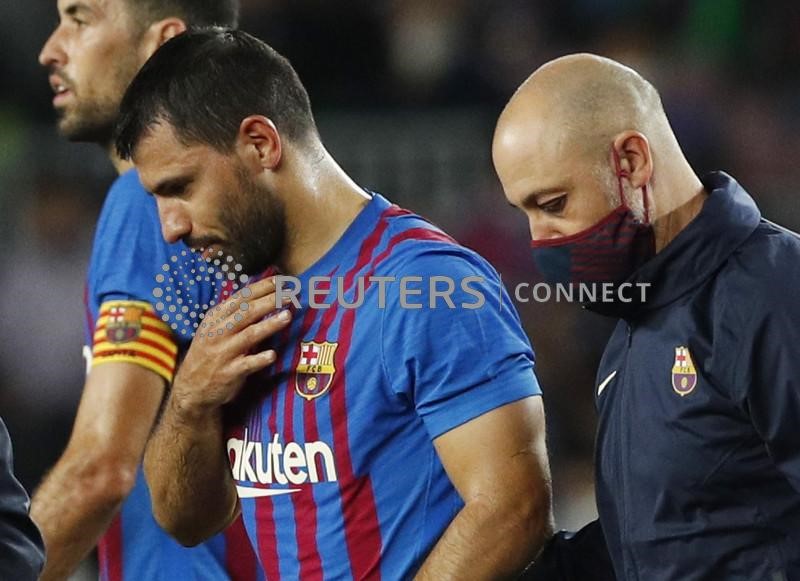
(251, 292)
(254, 334)
(261, 307)
(259, 288)
(251, 312)
(249, 364)
(248, 314)
(238, 304)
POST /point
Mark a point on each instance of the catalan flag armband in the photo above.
(131, 331)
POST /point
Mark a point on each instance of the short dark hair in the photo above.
(193, 12)
(204, 83)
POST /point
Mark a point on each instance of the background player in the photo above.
(92, 55)
(383, 441)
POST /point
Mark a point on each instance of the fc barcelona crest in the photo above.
(124, 323)
(684, 375)
(315, 369)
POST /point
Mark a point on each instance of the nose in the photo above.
(52, 53)
(175, 221)
(542, 227)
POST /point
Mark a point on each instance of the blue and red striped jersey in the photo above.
(122, 325)
(332, 447)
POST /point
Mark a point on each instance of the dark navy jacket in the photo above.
(21, 547)
(698, 457)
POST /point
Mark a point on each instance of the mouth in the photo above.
(61, 90)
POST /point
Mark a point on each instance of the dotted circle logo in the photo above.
(190, 288)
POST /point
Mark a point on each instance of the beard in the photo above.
(255, 225)
(91, 117)
(610, 184)
(89, 122)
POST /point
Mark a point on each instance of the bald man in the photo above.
(698, 392)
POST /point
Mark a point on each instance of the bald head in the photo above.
(579, 134)
(584, 100)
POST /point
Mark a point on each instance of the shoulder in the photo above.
(762, 275)
(414, 246)
(127, 189)
(128, 195)
(754, 306)
(435, 283)
(768, 246)
(762, 320)
(129, 224)
(128, 212)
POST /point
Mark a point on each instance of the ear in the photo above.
(158, 33)
(258, 141)
(635, 158)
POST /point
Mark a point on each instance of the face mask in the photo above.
(609, 251)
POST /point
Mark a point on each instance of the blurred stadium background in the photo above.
(406, 93)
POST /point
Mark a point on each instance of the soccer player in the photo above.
(96, 488)
(372, 438)
(698, 454)
(21, 546)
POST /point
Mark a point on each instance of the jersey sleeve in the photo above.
(128, 254)
(129, 250)
(453, 359)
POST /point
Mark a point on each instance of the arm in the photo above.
(186, 467)
(21, 547)
(477, 395)
(83, 492)
(768, 374)
(186, 463)
(498, 464)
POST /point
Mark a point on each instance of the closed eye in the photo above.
(171, 187)
(79, 14)
(553, 205)
(550, 200)
(174, 189)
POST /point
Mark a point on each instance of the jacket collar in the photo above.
(728, 217)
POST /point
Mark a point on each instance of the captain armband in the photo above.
(132, 332)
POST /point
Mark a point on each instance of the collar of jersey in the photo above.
(344, 252)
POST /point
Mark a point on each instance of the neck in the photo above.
(319, 208)
(687, 198)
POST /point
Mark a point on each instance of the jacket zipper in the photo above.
(626, 549)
